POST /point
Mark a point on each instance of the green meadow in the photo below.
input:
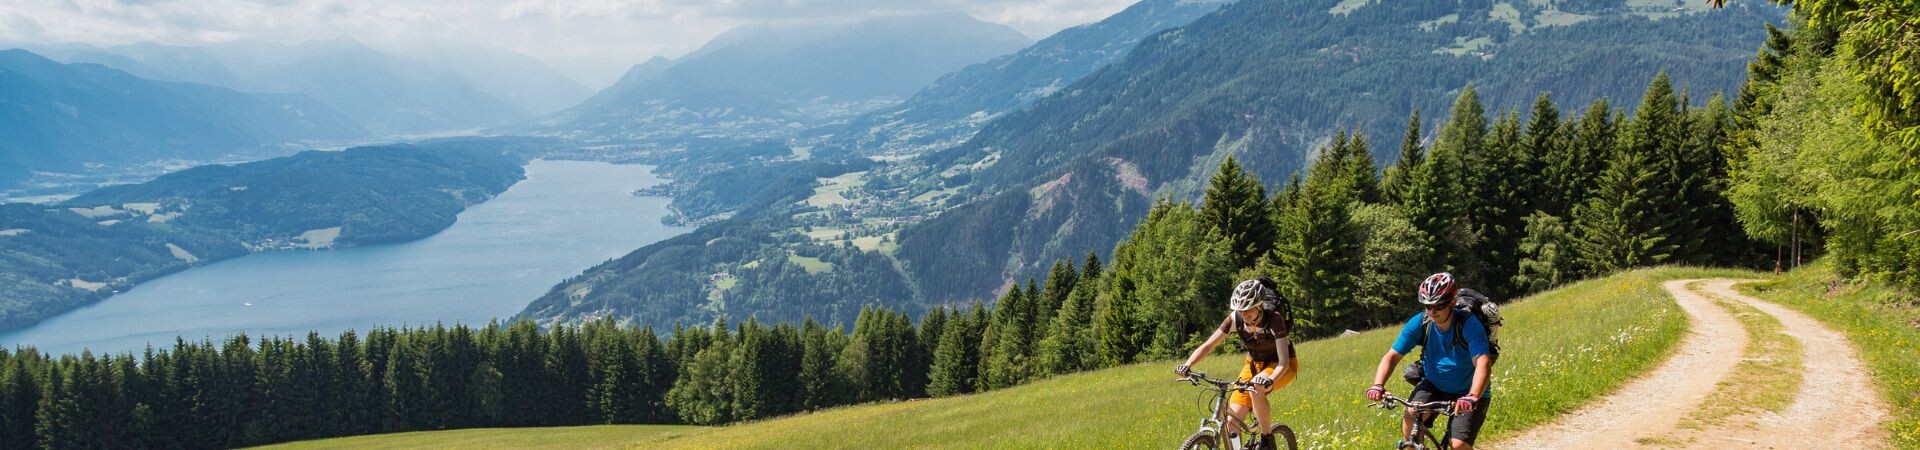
(1561, 349)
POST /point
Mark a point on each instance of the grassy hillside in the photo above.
(1562, 349)
(1554, 348)
(1884, 323)
(601, 436)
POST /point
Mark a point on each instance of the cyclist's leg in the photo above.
(1243, 403)
(1261, 410)
(1465, 428)
(1236, 415)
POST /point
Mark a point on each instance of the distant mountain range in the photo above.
(1264, 81)
(958, 103)
(1268, 80)
(773, 81)
(449, 88)
(64, 117)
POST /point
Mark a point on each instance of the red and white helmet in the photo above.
(1438, 288)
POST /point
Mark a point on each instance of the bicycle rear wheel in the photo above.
(1284, 433)
(1200, 440)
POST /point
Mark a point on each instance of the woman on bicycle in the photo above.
(1263, 328)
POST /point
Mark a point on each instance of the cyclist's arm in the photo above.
(1409, 333)
(1481, 366)
(1480, 348)
(1206, 348)
(1392, 358)
(1286, 358)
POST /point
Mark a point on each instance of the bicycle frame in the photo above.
(1216, 423)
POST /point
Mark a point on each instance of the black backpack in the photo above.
(1276, 306)
(1478, 306)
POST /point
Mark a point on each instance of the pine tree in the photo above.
(1720, 241)
(1236, 207)
(410, 403)
(56, 417)
(1090, 268)
(1359, 169)
(1060, 282)
(1546, 259)
(928, 342)
(1394, 183)
(1620, 226)
(1502, 194)
(748, 370)
(1007, 357)
(1542, 142)
(1119, 331)
(1657, 130)
(1169, 275)
(956, 361)
(22, 390)
(1572, 169)
(1069, 341)
(824, 386)
(572, 377)
(1318, 252)
(1437, 201)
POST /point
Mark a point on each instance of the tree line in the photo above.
(1826, 159)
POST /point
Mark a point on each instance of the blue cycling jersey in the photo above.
(1448, 365)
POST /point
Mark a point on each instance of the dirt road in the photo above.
(1836, 406)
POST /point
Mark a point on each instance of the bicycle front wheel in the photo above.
(1200, 440)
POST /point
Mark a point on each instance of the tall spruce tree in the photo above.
(1437, 201)
(1394, 183)
(956, 362)
(1721, 241)
(1070, 341)
(1573, 168)
(1236, 207)
(819, 346)
(1168, 275)
(1318, 253)
(1542, 141)
(1359, 170)
(1502, 197)
(1657, 131)
(1621, 226)
(1546, 256)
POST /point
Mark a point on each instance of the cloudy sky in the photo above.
(590, 40)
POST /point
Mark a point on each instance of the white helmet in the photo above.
(1247, 294)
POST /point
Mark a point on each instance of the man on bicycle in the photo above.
(1455, 359)
(1270, 363)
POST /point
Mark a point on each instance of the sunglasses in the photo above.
(1440, 306)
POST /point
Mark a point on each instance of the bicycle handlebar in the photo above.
(1197, 377)
(1387, 401)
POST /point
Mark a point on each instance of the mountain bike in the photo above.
(1214, 433)
(1420, 429)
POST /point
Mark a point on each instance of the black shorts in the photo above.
(1464, 427)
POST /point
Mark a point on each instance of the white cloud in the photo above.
(592, 40)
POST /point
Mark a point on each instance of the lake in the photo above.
(500, 255)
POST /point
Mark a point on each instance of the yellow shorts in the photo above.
(1254, 367)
